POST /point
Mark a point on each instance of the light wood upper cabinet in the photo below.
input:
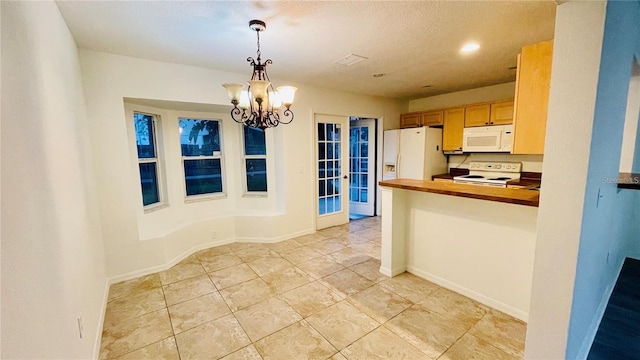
(532, 97)
(432, 118)
(502, 113)
(410, 120)
(453, 129)
(477, 115)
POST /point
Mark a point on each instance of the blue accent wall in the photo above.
(610, 230)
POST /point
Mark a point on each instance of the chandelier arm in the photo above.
(287, 114)
(238, 115)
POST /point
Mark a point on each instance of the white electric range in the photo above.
(489, 173)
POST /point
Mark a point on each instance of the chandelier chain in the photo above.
(258, 33)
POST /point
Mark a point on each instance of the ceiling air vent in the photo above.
(350, 60)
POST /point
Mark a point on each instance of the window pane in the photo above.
(145, 138)
(321, 135)
(363, 195)
(321, 170)
(364, 150)
(256, 174)
(203, 176)
(336, 203)
(322, 208)
(199, 137)
(321, 187)
(149, 182)
(254, 143)
(321, 151)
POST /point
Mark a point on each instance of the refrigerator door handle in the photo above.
(398, 166)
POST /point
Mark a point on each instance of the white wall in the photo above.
(110, 78)
(574, 78)
(53, 268)
(477, 95)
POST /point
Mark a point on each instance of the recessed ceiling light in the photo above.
(350, 59)
(378, 75)
(470, 47)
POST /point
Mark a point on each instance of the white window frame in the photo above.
(157, 126)
(216, 155)
(244, 158)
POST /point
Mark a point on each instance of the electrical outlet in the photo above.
(80, 326)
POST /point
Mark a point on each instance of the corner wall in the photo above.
(53, 268)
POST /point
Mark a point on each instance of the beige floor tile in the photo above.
(457, 307)
(348, 257)
(503, 331)
(470, 347)
(379, 303)
(368, 233)
(410, 286)
(204, 255)
(246, 294)
(382, 344)
(266, 265)
(255, 252)
(370, 269)
(212, 340)
(326, 246)
(162, 350)
(311, 298)
(311, 238)
(189, 314)
(267, 317)
(130, 287)
(363, 247)
(296, 342)
(300, 255)
(375, 252)
(286, 279)
(284, 245)
(188, 289)
(333, 231)
(346, 282)
(129, 335)
(338, 356)
(139, 303)
(349, 239)
(429, 332)
(237, 246)
(342, 324)
(246, 353)
(181, 272)
(219, 262)
(320, 267)
(232, 276)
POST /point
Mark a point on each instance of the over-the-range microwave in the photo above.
(498, 138)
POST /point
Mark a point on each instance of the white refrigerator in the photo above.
(414, 153)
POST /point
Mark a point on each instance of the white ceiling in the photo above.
(415, 43)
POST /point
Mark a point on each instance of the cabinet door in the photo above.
(532, 97)
(477, 115)
(452, 132)
(410, 120)
(502, 113)
(432, 118)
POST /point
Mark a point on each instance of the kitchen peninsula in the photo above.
(475, 240)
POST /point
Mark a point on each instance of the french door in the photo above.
(332, 154)
(362, 175)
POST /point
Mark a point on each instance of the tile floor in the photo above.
(318, 296)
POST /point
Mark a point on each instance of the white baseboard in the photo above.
(98, 341)
(587, 341)
(187, 253)
(391, 272)
(483, 299)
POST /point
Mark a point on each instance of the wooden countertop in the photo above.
(505, 195)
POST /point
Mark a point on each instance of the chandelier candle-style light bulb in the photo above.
(259, 105)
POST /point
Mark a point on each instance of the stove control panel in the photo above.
(509, 167)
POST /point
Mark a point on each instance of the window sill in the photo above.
(255, 195)
(154, 208)
(200, 198)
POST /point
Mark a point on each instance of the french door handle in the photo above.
(345, 177)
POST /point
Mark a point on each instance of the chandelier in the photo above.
(260, 106)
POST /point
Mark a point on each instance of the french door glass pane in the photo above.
(256, 174)
(329, 189)
(149, 183)
(145, 137)
(203, 176)
(359, 166)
